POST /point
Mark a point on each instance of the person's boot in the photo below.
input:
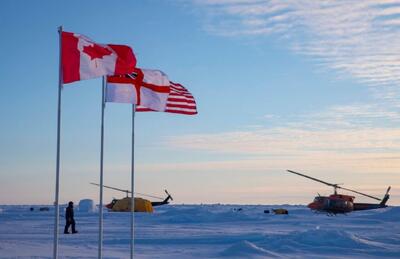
(73, 229)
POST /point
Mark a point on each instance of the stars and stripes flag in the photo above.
(151, 90)
(179, 100)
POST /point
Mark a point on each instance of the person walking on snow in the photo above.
(69, 218)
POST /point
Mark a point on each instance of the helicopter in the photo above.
(340, 203)
(141, 204)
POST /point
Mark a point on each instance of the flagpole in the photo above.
(103, 104)
(57, 188)
(133, 183)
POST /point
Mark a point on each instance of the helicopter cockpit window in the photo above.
(318, 199)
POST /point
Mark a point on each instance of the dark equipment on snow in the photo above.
(280, 211)
(339, 203)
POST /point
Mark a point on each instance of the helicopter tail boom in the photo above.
(371, 206)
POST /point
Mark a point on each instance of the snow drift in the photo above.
(206, 231)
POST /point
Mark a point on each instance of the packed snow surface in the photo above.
(206, 231)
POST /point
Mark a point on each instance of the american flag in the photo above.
(179, 100)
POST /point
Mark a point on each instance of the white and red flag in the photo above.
(144, 86)
(151, 90)
(84, 59)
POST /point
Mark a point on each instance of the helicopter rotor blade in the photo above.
(335, 185)
(312, 178)
(113, 188)
(369, 196)
(127, 191)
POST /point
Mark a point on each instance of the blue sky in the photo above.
(278, 86)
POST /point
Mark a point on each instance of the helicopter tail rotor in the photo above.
(169, 195)
(385, 198)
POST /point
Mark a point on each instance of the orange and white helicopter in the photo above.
(340, 203)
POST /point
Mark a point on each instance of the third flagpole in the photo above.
(133, 183)
(103, 105)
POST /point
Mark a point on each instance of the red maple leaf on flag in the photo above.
(96, 51)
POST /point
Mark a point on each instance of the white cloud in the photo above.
(388, 163)
(337, 139)
(295, 141)
(364, 116)
(357, 38)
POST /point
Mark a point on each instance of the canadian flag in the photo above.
(84, 59)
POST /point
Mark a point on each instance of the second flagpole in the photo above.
(103, 105)
(133, 183)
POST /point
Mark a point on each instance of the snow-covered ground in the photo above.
(206, 231)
